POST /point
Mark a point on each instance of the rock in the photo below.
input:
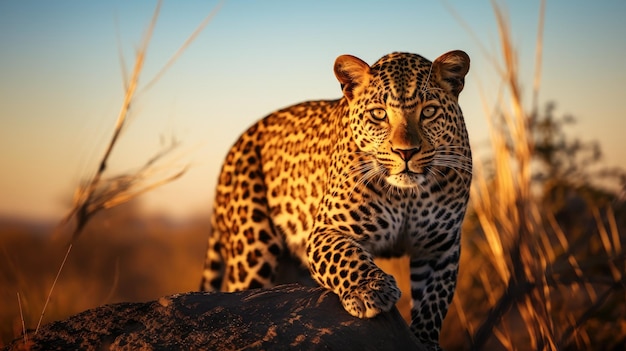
(286, 317)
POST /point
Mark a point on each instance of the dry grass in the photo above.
(102, 191)
(525, 283)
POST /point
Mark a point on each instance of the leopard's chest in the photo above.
(395, 224)
(388, 225)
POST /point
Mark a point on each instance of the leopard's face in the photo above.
(404, 116)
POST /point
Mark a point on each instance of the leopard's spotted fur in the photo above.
(383, 171)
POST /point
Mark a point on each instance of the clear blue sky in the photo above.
(61, 81)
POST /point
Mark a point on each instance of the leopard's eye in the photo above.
(378, 114)
(429, 111)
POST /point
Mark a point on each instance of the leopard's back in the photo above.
(278, 167)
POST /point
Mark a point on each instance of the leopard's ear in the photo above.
(350, 72)
(449, 71)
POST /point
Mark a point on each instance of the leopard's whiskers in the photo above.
(456, 161)
(363, 170)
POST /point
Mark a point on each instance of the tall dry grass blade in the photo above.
(125, 197)
(128, 96)
(491, 297)
(54, 283)
(491, 58)
(537, 323)
(81, 210)
(116, 280)
(482, 209)
(573, 328)
(19, 304)
(465, 323)
(607, 244)
(187, 42)
(538, 58)
(121, 55)
(504, 337)
(517, 121)
(617, 245)
(571, 259)
(543, 291)
(495, 315)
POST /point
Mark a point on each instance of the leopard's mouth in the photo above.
(407, 178)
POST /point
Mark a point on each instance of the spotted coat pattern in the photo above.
(383, 171)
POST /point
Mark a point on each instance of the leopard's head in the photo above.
(405, 117)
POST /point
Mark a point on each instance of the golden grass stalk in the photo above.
(186, 44)
(511, 215)
(87, 201)
(102, 193)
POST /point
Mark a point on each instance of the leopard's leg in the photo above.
(433, 282)
(253, 246)
(252, 260)
(341, 264)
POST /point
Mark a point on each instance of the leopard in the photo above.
(383, 171)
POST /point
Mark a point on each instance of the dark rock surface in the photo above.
(287, 317)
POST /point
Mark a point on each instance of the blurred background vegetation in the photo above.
(542, 264)
(121, 256)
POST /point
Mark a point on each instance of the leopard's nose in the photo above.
(406, 154)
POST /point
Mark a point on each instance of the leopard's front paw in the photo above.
(376, 293)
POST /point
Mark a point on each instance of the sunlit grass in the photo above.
(523, 284)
